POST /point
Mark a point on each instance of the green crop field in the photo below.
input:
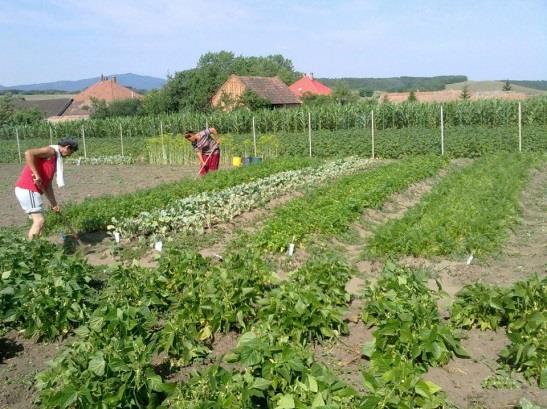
(266, 317)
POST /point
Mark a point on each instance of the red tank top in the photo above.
(46, 169)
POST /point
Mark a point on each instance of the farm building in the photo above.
(309, 85)
(449, 95)
(105, 89)
(273, 89)
(48, 107)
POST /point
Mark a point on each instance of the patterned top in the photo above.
(205, 143)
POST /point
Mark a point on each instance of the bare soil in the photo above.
(20, 361)
(89, 181)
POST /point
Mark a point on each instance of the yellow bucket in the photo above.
(236, 161)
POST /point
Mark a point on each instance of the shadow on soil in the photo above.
(9, 348)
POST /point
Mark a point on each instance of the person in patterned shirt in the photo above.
(206, 144)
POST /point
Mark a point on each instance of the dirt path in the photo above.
(89, 181)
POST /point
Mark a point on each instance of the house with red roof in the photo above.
(308, 85)
(105, 89)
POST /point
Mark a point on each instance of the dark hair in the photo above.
(188, 134)
(69, 142)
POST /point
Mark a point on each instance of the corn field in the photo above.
(334, 117)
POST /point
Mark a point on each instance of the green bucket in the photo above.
(256, 160)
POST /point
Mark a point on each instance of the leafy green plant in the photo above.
(117, 375)
(408, 323)
(43, 292)
(394, 383)
(502, 379)
(478, 305)
(522, 309)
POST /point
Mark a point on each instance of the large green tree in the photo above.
(192, 89)
(9, 115)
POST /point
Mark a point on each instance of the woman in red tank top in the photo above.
(36, 180)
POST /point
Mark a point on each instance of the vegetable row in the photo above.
(96, 214)
(469, 212)
(195, 213)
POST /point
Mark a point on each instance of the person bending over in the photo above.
(206, 145)
(41, 164)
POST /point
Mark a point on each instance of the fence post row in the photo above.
(18, 144)
(163, 153)
(254, 135)
(309, 130)
(442, 131)
(372, 128)
(520, 127)
(121, 138)
(83, 140)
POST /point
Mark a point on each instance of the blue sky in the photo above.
(42, 41)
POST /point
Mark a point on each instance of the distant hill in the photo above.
(482, 86)
(541, 85)
(395, 84)
(138, 82)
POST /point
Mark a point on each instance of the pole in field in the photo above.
(83, 140)
(520, 127)
(50, 135)
(254, 135)
(163, 154)
(309, 130)
(442, 131)
(121, 138)
(18, 144)
(372, 128)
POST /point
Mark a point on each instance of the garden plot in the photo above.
(178, 307)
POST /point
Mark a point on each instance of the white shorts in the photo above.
(31, 202)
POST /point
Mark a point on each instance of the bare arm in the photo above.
(51, 197)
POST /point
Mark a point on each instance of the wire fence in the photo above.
(272, 133)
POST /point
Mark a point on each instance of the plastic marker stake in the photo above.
(117, 237)
(470, 259)
(158, 246)
(290, 252)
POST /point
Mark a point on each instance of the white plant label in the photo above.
(158, 246)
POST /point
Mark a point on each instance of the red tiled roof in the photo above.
(107, 90)
(307, 84)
